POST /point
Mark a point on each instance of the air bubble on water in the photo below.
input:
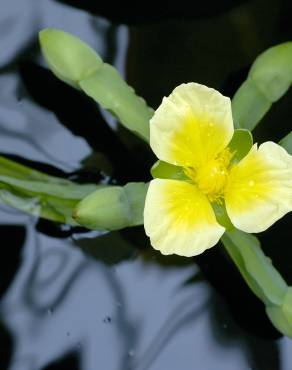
(131, 353)
(79, 345)
(107, 320)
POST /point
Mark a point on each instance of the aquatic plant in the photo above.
(211, 182)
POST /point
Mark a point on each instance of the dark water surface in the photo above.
(78, 300)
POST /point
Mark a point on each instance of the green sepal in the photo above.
(240, 144)
(164, 170)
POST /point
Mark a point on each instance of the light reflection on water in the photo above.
(119, 317)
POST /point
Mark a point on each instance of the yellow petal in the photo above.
(260, 188)
(191, 126)
(179, 219)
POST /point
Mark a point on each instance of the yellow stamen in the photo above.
(211, 178)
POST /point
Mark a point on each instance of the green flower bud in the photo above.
(112, 208)
(69, 58)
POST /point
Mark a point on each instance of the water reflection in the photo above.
(87, 300)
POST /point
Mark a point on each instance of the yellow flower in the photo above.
(192, 129)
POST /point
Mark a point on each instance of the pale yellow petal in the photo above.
(260, 188)
(191, 126)
(179, 219)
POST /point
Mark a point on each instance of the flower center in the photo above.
(211, 178)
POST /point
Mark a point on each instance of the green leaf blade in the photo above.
(107, 87)
(269, 78)
(257, 266)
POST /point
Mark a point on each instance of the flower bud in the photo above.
(69, 58)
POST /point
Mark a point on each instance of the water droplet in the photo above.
(68, 334)
(251, 183)
(107, 320)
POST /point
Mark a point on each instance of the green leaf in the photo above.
(258, 268)
(286, 143)
(237, 258)
(108, 88)
(69, 58)
(272, 71)
(75, 63)
(65, 191)
(112, 208)
(39, 194)
(164, 170)
(50, 208)
(281, 316)
(240, 144)
(269, 78)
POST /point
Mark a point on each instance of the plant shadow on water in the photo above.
(85, 300)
